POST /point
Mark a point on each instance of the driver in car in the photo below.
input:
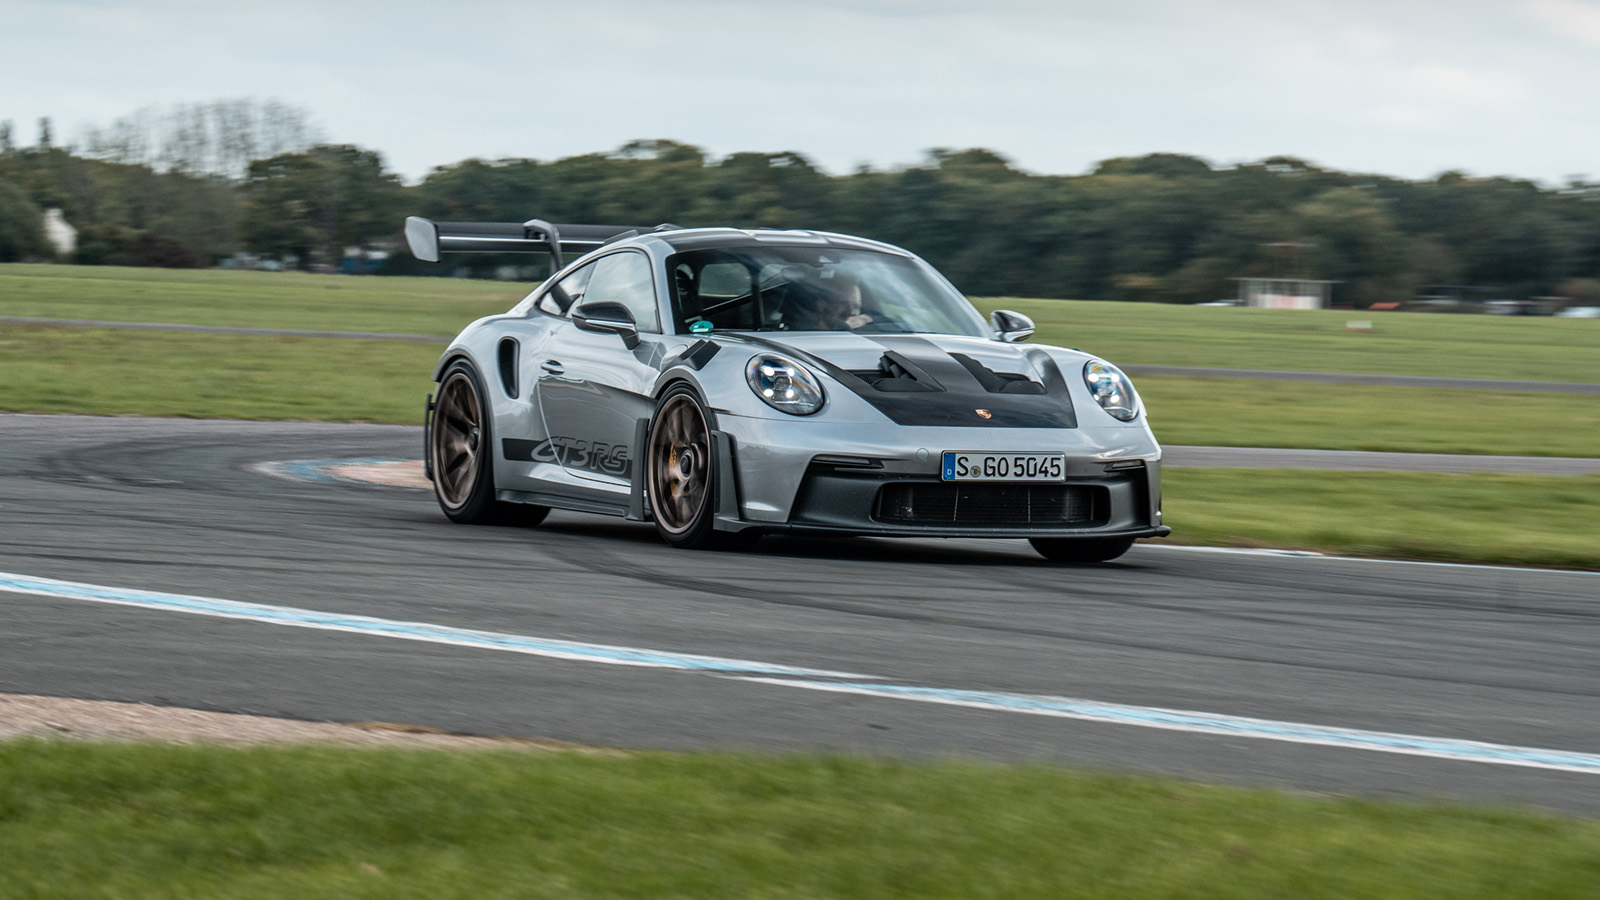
(835, 306)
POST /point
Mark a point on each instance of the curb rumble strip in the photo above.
(812, 679)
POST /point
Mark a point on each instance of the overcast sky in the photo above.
(1399, 87)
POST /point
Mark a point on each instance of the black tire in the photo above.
(680, 479)
(461, 454)
(1081, 550)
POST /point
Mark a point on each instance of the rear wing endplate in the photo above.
(428, 239)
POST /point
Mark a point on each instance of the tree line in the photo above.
(1161, 227)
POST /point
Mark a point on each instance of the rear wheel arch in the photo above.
(461, 450)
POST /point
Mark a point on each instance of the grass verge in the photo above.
(1507, 519)
(439, 306)
(1234, 412)
(111, 372)
(95, 371)
(1514, 347)
(100, 820)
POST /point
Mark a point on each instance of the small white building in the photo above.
(1286, 293)
(59, 232)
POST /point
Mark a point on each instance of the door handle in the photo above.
(552, 366)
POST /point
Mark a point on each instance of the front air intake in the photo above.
(993, 505)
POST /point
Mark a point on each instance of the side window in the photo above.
(724, 295)
(625, 278)
(567, 292)
(724, 281)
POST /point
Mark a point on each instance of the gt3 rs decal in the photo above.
(572, 453)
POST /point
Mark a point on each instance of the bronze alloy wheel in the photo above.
(680, 464)
(457, 443)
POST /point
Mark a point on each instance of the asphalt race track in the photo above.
(145, 560)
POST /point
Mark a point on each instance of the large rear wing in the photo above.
(428, 239)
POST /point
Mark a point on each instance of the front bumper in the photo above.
(813, 476)
(852, 501)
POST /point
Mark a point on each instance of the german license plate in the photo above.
(960, 466)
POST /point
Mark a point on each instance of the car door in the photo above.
(594, 389)
(528, 458)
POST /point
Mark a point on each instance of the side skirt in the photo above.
(604, 503)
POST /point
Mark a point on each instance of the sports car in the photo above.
(725, 383)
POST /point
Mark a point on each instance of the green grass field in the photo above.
(1517, 348)
(252, 299)
(1507, 519)
(98, 371)
(110, 372)
(1453, 346)
(1230, 412)
(153, 821)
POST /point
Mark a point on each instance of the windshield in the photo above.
(815, 289)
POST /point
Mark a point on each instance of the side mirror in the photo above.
(607, 317)
(1010, 326)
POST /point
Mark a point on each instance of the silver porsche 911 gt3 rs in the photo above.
(725, 383)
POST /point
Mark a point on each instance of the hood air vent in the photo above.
(897, 374)
(998, 382)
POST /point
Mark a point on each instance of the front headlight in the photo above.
(784, 384)
(1111, 389)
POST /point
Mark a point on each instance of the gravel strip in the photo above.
(23, 715)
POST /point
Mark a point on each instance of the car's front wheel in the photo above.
(461, 454)
(1081, 550)
(681, 479)
(679, 469)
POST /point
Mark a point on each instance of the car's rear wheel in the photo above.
(1081, 550)
(461, 454)
(681, 478)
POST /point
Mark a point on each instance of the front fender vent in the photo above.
(506, 360)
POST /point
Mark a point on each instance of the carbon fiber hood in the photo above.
(944, 380)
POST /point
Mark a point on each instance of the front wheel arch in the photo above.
(682, 471)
